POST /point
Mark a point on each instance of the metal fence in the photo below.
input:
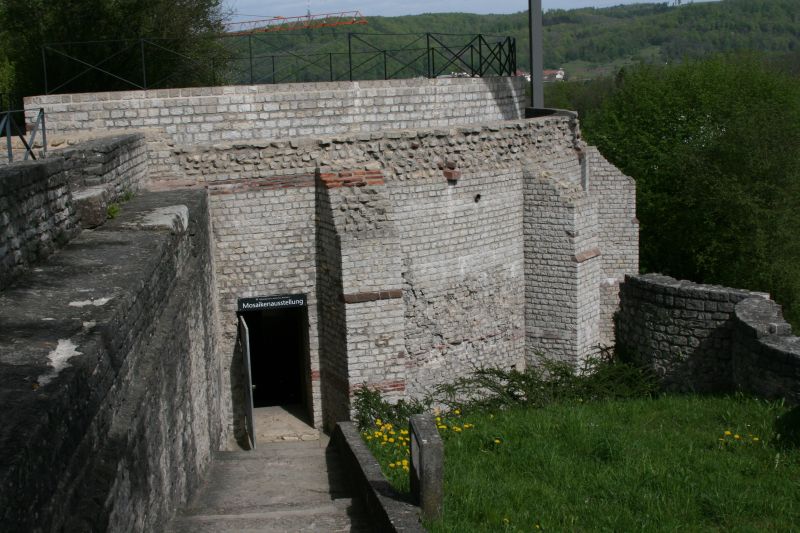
(273, 58)
(10, 129)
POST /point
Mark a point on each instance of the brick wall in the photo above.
(175, 118)
(410, 247)
(708, 338)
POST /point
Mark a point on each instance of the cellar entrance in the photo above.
(274, 337)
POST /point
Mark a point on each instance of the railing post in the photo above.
(250, 44)
(273, 69)
(144, 65)
(350, 54)
(385, 73)
(8, 138)
(427, 465)
(44, 133)
(480, 55)
(330, 63)
(428, 55)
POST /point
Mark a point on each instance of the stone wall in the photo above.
(419, 240)
(117, 162)
(36, 215)
(109, 376)
(707, 338)
(175, 118)
(43, 203)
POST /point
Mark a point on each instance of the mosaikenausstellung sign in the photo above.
(261, 303)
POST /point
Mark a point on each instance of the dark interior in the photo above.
(277, 355)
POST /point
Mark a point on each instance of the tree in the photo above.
(173, 27)
(713, 148)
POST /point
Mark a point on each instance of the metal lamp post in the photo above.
(537, 59)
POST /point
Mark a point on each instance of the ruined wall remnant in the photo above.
(44, 203)
(708, 338)
(109, 372)
(431, 228)
(434, 250)
(175, 118)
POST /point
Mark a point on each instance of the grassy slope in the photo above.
(637, 465)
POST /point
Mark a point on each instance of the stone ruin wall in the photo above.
(175, 118)
(422, 247)
(40, 202)
(109, 372)
(707, 338)
(414, 221)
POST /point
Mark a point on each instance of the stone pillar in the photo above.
(427, 466)
(562, 267)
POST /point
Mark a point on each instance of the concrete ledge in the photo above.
(388, 509)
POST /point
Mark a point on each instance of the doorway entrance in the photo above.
(274, 337)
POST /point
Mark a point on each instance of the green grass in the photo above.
(622, 465)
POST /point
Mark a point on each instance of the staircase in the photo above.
(280, 487)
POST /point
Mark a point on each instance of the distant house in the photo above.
(554, 75)
(549, 75)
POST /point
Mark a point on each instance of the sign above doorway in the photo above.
(261, 303)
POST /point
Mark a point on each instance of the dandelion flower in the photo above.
(391, 439)
(391, 465)
(457, 411)
(727, 433)
(378, 422)
(497, 441)
(737, 437)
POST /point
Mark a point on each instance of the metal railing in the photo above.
(270, 58)
(10, 129)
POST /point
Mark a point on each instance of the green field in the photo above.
(673, 463)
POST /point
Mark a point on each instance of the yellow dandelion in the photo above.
(755, 439)
(457, 411)
(727, 433)
(457, 429)
(442, 426)
(404, 432)
(405, 468)
(497, 441)
(378, 422)
(438, 418)
(405, 462)
(737, 437)
(391, 465)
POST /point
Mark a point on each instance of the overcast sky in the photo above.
(285, 8)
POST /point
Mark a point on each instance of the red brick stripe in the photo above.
(361, 297)
(351, 178)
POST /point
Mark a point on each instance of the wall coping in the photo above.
(388, 510)
(280, 88)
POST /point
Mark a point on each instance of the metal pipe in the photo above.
(537, 57)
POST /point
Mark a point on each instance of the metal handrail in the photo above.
(10, 128)
(475, 54)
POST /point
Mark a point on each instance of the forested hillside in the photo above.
(589, 42)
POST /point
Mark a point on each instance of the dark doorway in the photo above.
(278, 354)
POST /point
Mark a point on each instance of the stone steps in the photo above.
(281, 486)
